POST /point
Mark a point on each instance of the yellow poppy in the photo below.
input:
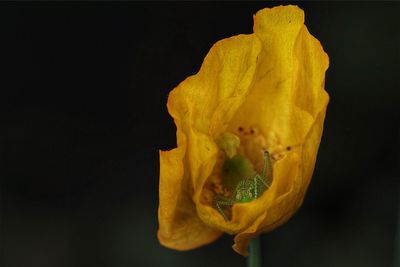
(254, 93)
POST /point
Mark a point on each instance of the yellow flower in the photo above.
(254, 93)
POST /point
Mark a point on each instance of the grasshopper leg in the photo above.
(223, 201)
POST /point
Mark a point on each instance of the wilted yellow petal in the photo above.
(198, 110)
(293, 104)
(179, 226)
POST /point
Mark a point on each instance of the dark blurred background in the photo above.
(83, 113)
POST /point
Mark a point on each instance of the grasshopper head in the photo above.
(244, 191)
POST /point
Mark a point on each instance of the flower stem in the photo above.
(254, 258)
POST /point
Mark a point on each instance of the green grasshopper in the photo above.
(244, 189)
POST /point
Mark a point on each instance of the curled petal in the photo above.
(179, 226)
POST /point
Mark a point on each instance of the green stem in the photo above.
(254, 258)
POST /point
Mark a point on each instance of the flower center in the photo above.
(241, 157)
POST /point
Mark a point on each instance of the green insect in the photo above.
(243, 189)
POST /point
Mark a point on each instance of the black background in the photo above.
(83, 113)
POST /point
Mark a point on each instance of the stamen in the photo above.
(279, 153)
